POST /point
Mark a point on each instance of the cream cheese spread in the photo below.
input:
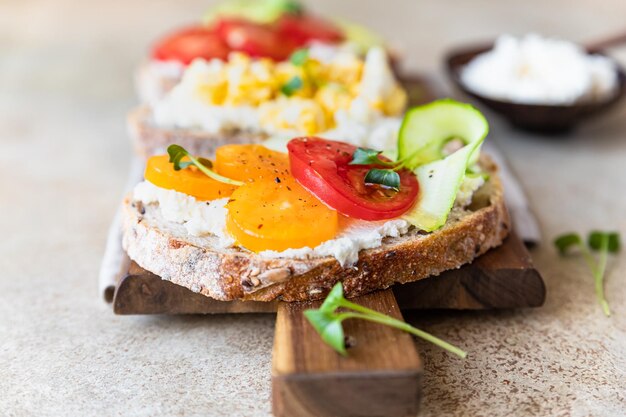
(355, 235)
(202, 218)
(468, 187)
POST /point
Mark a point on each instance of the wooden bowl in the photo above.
(541, 118)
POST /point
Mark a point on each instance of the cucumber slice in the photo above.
(426, 129)
(424, 132)
(360, 36)
(261, 11)
(439, 184)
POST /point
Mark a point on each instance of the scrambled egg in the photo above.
(302, 97)
(303, 115)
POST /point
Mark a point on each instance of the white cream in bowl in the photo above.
(537, 70)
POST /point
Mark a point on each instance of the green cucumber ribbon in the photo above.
(424, 132)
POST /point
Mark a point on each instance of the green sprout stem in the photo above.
(376, 317)
(213, 174)
(599, 275)
(604, 242)
(597, 270)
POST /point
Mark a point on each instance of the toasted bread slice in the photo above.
(150, 139)
(166, 249)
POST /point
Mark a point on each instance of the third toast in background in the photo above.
(271, 29)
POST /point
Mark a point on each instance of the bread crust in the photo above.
(149, 139)
(236, 274)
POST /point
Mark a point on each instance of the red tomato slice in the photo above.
(255, 39)
(190, 43)
(322, 166)
(305, 28)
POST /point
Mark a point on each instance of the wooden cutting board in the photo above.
(383, 372)
(381, 376)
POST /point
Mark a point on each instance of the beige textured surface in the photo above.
(65, 85)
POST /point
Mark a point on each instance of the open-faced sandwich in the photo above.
(271, 29)
(259, 224)
(322, 90)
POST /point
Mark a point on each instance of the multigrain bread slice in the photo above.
(165, 249)
(150, 139)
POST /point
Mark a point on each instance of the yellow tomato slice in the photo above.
(250, 162)
(272, 215)
(191, 181)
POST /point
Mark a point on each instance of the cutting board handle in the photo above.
(381, 376)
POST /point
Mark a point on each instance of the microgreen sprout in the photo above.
(177, 153)
(292, 86)
(604, 243)
(365, 156)
(327, 321)
(299, 57)
(386, 175)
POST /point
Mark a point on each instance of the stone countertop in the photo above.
(65, 86)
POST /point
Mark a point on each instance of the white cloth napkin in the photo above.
(114, 253)
(524, 221)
